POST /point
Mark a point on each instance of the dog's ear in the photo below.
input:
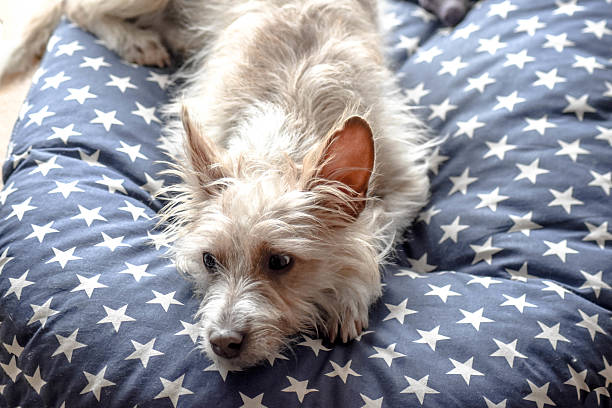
(202, 152)
(348, 158)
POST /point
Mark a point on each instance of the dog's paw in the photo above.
(352, 325)
(145, 47)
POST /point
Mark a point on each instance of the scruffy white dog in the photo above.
(300, 162)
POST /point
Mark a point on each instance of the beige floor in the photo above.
(14, 89)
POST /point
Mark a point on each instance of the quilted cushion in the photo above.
(515, 309)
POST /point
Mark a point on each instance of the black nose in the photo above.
(226, 343)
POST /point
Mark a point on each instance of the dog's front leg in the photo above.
(107, 20)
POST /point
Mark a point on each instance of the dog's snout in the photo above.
(226, 343)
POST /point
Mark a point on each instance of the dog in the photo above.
(301, 163)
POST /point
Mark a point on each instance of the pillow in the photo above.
(515, 309)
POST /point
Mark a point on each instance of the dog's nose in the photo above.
(226, 343)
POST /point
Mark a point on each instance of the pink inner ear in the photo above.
(349, 158)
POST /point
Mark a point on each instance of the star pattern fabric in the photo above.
(500, 297)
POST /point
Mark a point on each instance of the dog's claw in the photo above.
(145, 48)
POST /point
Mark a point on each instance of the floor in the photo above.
(13, 90)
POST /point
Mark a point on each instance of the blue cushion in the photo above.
(516, 309)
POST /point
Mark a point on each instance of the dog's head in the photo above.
(276, 247)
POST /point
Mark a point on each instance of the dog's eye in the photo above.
(279, 262)
(209, 261)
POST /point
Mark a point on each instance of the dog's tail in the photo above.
(20, 55)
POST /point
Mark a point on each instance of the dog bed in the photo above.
(500, 297)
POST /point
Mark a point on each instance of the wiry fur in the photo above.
(265, 87)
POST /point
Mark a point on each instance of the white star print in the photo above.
(342, 371)
(523, 224)
(465, 370)
(387, 354)
(111, 243)
(137, 271)
(452, 67)
(564, 199)
(11, 369)
(490, 404)
(39, 116)
(539, 395)
(398, 312)
(255, 402)
(92, 160)
(144, 352)
(94, 63)
(595, 282)
(435, 160)
(474, 318)
(370, 403)
(462, 182)
(44, 167)
(414, 95)
(491, 199)
(63, 257)
(65, 189)
(490, 45)
(507, 351)
(89, 216)
(465, 32)
(530, 171)
(132, 151)
(88, 284)
(560, 249)
(121, 83)
(19, 210)
(427, 215)
(602, 180)
(67, 345)
(17, 285)
(501, 9)
(299, 387)
(152, 186)
(468, 128)
(39, 232)
(68, 49)
(191, 330)
(521, 275)
(113, 185)
(135, 211)
(55, 81)
(42, 313)
(578, 106)
(116, 317)
(571, 149)
(95, 383)
(4, 259)
(164, 300)
(485, 252)
(598, 234)
(147, 114)
(597, 28)
(441, 110)
(410, 44)
(485, 281)
(163, 80)
(557, 42)
(479, 83)
(553, 287)
(568, 8)
(529, 25)
(418, 387)
(548, 79)
(577, 380)
(106, 119)
(519, 59)
(520, 302)
(80, 95)
(8, 190)
(420, 265)
(590, 64)
(551, 334)
(430, 337)
(508, 102)
(442, 292)
(35, 380)
(63, 133)
(606, 372)
(590, 323)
